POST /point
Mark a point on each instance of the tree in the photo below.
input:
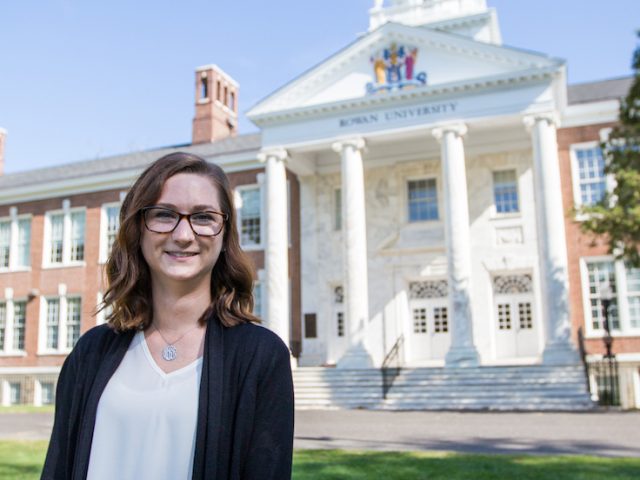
(617, 215)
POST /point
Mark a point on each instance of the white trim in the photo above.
(14, 220)
(29, 370)
(104, 224)
(63, 299)
(238, 189)
(67, 212)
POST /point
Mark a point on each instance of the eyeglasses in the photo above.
(165, 220)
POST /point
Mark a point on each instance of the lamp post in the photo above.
(609, 363)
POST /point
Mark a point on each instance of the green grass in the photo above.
(26, 409)
(23, 460)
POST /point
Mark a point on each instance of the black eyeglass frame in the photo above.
(144, 210)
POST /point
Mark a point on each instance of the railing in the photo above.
(392, 365)
(605, 374)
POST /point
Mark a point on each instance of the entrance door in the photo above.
(338, 334)
(516, 331)
(429, 336)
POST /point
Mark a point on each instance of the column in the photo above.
(354, 231)
(462, 351)
(277, 243)
(552, 244)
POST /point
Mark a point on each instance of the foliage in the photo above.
(617, 216)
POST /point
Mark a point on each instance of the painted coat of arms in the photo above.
(394, 68)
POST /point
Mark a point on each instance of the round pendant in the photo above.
(169, 353)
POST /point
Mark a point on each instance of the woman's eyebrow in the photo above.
(194, 208)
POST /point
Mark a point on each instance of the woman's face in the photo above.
(182, 257)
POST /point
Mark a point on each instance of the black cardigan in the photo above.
(245, 409)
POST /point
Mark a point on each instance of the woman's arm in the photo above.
(57, 465)
(271, 449)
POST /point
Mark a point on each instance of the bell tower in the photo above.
(471, 18)
(216, 110)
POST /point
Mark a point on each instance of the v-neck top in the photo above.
(146, 420)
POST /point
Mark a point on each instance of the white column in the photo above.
(462, 351)
(354, 231)
(552, 244)
(277, 249)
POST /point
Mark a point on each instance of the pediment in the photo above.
(396, 58)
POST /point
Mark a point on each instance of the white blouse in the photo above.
(146, 420)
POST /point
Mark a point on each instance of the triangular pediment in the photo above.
(396, 58)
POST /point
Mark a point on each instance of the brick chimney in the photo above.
(3, 136)
(216, 105)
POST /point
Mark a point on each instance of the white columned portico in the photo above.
(277, 248)
(552, 244)
(462, 351)
(355, 253)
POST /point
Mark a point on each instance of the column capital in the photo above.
(279, 153)
(550, 117)
(358, 143)
(460, 129)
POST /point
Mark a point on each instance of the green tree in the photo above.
(617, 215)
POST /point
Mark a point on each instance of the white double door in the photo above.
(428, 337)
(515, 323)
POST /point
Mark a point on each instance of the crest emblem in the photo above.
(394, 69)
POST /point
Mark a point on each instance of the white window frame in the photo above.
(104, 225)
(10, 301)
(407, 215)
(575, 173)
(238, 192)
(66, 211)
(62, 347)
(495, 213)
(260, 284)
(14, 220)
(625, 329)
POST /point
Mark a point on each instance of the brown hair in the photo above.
(128, 276)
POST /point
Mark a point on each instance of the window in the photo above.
(340, 323)
(419, 320)
(3, 324)
(337, 209)
(310, 325)
(15, 393)
(588, 171)
(422, 200)
(204, 88)
(47, 390)
(108, 229)
(19, 324)
(62, 323)
(624, 282)
(12, 325)
(15, 242)
(232, 100)
(249, 214)
(64, 234)
(505, 191)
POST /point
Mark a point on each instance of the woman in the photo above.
(180, 383)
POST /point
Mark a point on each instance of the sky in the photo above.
(82, 79)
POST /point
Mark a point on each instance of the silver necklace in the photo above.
(170, 352)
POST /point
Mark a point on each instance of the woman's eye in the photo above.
(203, 218)
(164, 215)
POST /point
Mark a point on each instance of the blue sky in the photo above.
(87, 79)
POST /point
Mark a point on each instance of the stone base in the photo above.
(560, 354)
(356, 356)
(462, 357)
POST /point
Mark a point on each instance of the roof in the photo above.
(232, 145)
(611, 89)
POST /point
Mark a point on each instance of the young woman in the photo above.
(180, 383)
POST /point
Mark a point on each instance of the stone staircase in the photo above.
(528, 388)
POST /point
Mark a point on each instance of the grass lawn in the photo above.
(26, 409)
(23, 460)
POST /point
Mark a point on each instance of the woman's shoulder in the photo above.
(97, 339)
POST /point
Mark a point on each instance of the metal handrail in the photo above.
(392, 365)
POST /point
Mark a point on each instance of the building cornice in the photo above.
(428, 92)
